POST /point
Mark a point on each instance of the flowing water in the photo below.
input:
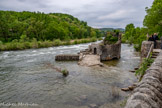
(25, 77)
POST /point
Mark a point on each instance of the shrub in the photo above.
(68, 42)
(34, 43)
(84, 41)
(94, 39)
(1, 45)
(141, 71)
(65, 72)
(110, 39)
(100, 38)
(137, 47)
(75, 42)
(57, 42)
(27, 45)
(23, 38)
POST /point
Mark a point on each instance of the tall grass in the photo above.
(22, 44)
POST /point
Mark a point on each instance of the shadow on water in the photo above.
(25, 78)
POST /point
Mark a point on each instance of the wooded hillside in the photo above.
(41, 26)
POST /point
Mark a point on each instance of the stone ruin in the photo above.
(105, 51)
(94, 54)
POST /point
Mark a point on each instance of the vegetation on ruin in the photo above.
(111, 37)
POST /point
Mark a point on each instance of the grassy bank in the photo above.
(28, 44)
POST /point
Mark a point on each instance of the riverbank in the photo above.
(148, 92)
(21, 45)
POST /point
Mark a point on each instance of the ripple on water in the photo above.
(32, 81)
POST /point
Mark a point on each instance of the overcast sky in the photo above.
(98, 13)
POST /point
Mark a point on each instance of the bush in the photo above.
(100, 38)
(1, 44)
(47, 44)
(57, 42)
(27, 45)
(141, 71)
(68, 42)
(23, 38)
(84, 41)
(137, 47)
(75, 42)
(34, 43)
(65, 72)
(110, 39)
(94, 39)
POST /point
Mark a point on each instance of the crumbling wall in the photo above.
(98, 48)
(106, 52)
(148, 93)
(110, 52)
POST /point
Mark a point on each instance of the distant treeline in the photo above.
(40, 26)
(112, 29)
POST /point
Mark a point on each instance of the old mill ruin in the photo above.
(95, 53)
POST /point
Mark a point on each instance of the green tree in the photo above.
(153, 19)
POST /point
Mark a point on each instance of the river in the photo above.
(26, 78)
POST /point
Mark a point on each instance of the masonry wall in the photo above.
(146, 47)
(158, 46)
(98, 48)
(110, 52)
(148, 93)
(67, 57)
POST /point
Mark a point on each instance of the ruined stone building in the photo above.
(106, 52)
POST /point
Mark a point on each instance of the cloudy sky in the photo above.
(98, 13)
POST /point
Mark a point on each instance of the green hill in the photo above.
(41, 26)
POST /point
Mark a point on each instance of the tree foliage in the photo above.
(152, 24)
(134, 35)
(153, 19)
(28, 25)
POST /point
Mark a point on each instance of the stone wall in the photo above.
(98, 48)
(106, 52)
(145, 48)
(110, 52)
(67, 57)
(158, 45)
(148, 93)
